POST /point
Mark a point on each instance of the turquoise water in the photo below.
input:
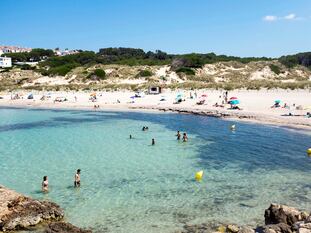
(130, 186)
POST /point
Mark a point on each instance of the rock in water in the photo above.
(19, 212)
(283, 214)
(62, 227)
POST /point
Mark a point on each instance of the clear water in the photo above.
(130, 186)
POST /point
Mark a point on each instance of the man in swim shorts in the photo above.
(77, 179)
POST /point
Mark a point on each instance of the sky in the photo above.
(232, 27)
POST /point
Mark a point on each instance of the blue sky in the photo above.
(232, 27)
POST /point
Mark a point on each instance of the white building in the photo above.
(13, 49)
(5, 62)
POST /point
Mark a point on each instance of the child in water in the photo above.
(45, 184)
(185, 137)
(77, 179)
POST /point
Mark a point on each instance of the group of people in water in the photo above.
(76, 183)
(182, 137)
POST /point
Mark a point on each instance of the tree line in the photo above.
(61, 65)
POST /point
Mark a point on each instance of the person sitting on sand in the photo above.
(77, 178)
(45, 184)
(276, 105)
(178, 135)
(184, 137)
(152, 142)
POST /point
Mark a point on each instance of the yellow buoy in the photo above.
(199, 175)
(232, 127)
(309, 151)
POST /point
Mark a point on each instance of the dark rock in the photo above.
(277, 228)
(62, 227)
(283, 214)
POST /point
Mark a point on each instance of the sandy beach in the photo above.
(255, 105)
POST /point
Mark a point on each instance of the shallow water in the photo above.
(131, 186)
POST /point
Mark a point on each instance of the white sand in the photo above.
(256, 105)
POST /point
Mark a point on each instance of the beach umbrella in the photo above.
(204, 95)
(93, 94)
(277, 101)
(234, 102)
(233, 98)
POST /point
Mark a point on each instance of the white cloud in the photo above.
(290, 17)
(270, 18)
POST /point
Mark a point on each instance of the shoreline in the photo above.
(256, 105)
(231, 115)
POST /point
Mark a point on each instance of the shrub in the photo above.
(145, 73)
(97, 74)
(185, 70)
(100, 73)
(27, 67)
(61, 70)
(276, 69)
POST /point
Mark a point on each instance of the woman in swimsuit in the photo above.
(45, 184)
(185, 137)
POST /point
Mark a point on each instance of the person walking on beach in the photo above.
(45, 184)
(185, 138)
(152, 142)
(178, 135)
(77, 179)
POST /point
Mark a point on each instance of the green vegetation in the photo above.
(144, 73)
(63, 65)
(97, 74)
(185, 70)
(276, 69)
(291, 61)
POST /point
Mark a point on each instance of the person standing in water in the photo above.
(152, 142)
(131, 136)
(45, 184)
(185, 138)
(77, 179)
(178, 135)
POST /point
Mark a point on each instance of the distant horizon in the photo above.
(269, 28)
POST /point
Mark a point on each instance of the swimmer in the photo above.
(45, 184)
(185, 137)
(144, 128)
(178, 135)
(77, 179)
(152, 142)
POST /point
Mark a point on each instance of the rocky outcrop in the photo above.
(63, 227)
(283, 214)
(19, 212)
(278, 219)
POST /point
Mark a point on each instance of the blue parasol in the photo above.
(234, 101)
